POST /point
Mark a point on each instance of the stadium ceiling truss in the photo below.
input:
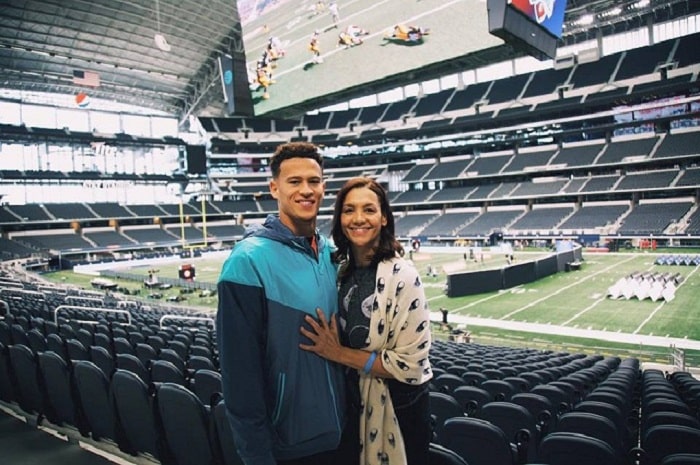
(43, 42)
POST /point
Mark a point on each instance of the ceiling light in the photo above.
(159, 38)
(161, 42)
(585, 20)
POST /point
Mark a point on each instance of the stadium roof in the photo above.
(66, 46)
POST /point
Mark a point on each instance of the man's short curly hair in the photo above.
(293, 150)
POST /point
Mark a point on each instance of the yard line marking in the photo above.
(562, 289)
(651, 315)
(590, 307)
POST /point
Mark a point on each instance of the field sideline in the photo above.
(565, 305)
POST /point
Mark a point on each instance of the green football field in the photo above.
(575, 300)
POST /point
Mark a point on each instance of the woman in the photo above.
(384, 332)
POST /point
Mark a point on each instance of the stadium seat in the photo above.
(85, 337)
(519, 384)
(146, 353)
(612, 413)
(163, 371)
(186, 425)
(439, 455)
(180, 348)
(136, 337)
(61, 396)
(555, 395)
(471, 399)
(669, 418)
(197, 362)
(200, 350)
(473, 378)
(224, 436)
(573, 395)
(621, 401)
(447, 383)
(76, 350)
(55, 343)
(660, 404)
(207, 385)
(493, 373)
(593, 425)
(442, 407)
(5, 334)
(533, 378)
(104, 340)
(122, 346)
(37, 341)
(7, 384)
(661, 441)
(173, 357)
(133, 364)
(681, 459)
(25, 369)
(540, 407)
(19, 335)
(500, 390)
(478, 442)
(134, 411)
(184, 338)
(561, 448)
(94, 394)
(119, 332)
(517, 423)
(157, 342)
(103, 359)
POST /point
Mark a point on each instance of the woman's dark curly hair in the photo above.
(388, 246)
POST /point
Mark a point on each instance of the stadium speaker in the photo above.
(187, 272)
(234, 83)
(196, 159)
(520, 32)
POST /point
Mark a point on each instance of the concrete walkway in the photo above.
(611, 336)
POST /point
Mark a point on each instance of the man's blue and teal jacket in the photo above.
(283, 402)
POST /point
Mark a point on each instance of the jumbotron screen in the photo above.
(549, 14)
(305, 51)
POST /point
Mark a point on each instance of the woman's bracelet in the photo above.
(370, 362)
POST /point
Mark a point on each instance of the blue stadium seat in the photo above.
(7, 383)
(103, 359)
(134, 411)
(207, 385)
(60, 393)
(442, 407)
(471, 399)
(224, 436)
(478, 442)
(94, 395)
(133, 364)
(25, 371)
(439, 455)
(163, 371)
(561, 448)
(517, 423)
(186, 425)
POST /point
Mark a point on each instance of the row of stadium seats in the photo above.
(578, 410)
(477, 390)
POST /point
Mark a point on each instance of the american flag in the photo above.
(86, 78)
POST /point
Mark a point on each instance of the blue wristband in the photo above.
(370, 362)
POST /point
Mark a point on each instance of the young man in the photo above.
(285, 405)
